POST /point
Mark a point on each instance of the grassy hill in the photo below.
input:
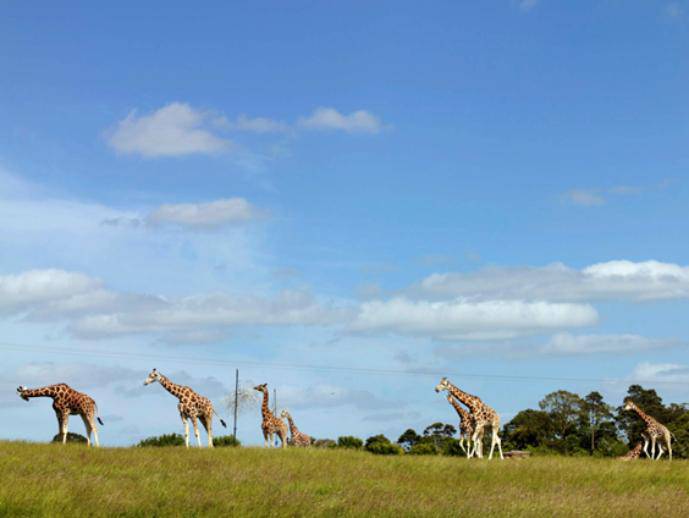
(39, 479)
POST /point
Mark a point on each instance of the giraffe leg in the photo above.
(87, 425)
(283, 438)
(186, 431)
(95, 434)
(196, 431)
(653, 446)
(660, 450)
(64, 421)
(495, 439)
(265, 439)
(207, 423)
(461, 443)
(668, 441)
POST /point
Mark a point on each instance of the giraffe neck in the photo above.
(463, 414)
(646, 418)
(172, 388)
(292, 427)
(49, 391)
(265, 408)
(470, 401)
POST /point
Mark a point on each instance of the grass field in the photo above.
(70, 480)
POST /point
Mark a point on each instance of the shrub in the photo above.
(348, 441)
(423, 448)
(324, 443)
(226, 440)
(71, 437)
(171, 439)
(381, 445)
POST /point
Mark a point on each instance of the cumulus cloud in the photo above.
(568, 344)
(210, 214)
(359, 121)
(174, 130)
(660, 373)
(612, 280)
(464, 319)
(39, 287)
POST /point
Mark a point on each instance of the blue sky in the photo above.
(484, 190)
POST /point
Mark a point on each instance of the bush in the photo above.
(71, 438)
(324, 443)
(381, 445)
(423, 448)
(348, 441)
(226, 440)
(171, 439)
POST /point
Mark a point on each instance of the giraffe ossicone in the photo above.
(191, 406)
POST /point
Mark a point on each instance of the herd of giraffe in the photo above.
(192, 407)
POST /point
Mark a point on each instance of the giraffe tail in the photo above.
(222, 421)
(100, 420)
(98, 416)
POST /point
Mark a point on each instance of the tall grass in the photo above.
(56, 480)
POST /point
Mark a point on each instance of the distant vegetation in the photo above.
(171, 439)
(71, 438)
(226, 440)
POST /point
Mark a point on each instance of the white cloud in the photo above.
(328, 396)
(37, 287)
(174, 130)
(584, 198)
(612, 280)
(568, 344)
(660, 373)
(214, 213)
(258, 125)
(359, 121)
(674, 10)
(463, 319)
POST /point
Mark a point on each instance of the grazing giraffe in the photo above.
(654, 431)
(634, 453)
(191, 406)
(298, 438)
(271, 425)
(66, 402)
(466, 424)
(483, 416)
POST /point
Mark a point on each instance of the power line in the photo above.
(425, 372)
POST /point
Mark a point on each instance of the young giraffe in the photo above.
(634, 453)
(271, 425)
(66, 402)
(191, 406)
(483, 416)
(298, 438)
(654, 431)
(466, 424)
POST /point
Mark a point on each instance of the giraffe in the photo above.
(483, 416)
(466, 425)
(634, 453)
(66, 402)
(654, 431)
(298, 438)
(191, 406)
(271, 425)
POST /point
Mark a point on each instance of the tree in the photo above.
(599, 416)
(381, 445)
(348, 441)
(529, 428)
(408, 439)
(567, 412)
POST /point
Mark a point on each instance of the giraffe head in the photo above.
(443, 385)
(263, 387)
(20, 391)
(284, 414)
(629, 404)
(153, 376)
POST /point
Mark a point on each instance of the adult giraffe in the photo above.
(66, 402)
(483, 416)
(191, 406)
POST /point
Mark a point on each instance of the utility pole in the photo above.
(236, 401)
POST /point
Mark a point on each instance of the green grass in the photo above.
(56, 480)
